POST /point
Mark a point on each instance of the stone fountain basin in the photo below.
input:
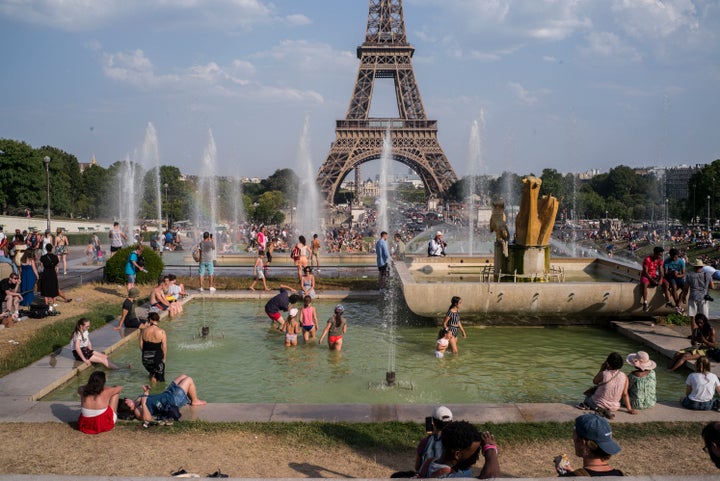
(586, 291)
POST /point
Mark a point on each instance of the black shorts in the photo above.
(383, 270)
(86, 352)
(114, 249)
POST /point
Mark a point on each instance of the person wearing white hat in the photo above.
(641, 381)
(291, 328)
(698, 283)
(436, 246)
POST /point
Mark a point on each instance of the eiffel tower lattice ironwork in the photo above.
(386, 53)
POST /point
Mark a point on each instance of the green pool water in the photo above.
(244, 361)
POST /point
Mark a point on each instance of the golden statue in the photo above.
(536, 218)
(498, 224)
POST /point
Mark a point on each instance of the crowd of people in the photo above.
(35, 261)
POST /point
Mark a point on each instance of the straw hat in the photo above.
(698, 263)
(641, 360)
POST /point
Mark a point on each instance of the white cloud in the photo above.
(312, 57)
(135, 69)
(608, 45)
(81, 15)
(522, 94)
(298, 19)
(655, 19)
(237, 80)
(548, 20)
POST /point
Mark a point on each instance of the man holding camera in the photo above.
(436, 246)
(430, 447)
(699, 282)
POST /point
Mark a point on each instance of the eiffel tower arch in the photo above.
(386, 53)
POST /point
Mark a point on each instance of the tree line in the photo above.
(93, 193)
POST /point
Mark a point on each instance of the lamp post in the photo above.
(708, 215)
(666, 218)
(694, 205)
(46, 159)
(167, 214)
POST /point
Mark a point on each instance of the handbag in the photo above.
(590, 391)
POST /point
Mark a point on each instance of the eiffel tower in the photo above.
(386, 53)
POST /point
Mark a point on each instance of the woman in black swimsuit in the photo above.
(153, 344)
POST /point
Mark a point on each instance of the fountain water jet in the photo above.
(309, 210)
(128, 174)
(206, 201)
(475, 162)
(385, 158)
(150, 160)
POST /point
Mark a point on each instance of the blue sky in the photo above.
(566, 84)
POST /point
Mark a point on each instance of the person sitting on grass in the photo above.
(98, 405)
(462, 445)
(594, 443)
(180, 392)
(711, 436)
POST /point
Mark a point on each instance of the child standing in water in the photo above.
(259, 272)
(443, 340)
(335, 329)
(291, 328)
(308, 319)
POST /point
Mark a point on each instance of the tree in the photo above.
(94, 199)
(285, 181)
(268, 205)
(21, 171)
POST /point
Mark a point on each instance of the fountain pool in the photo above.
(243, 361)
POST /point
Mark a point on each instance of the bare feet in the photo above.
(198, 402)
(252, 289)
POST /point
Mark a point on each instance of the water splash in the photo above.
(385, 158)
(309, 210)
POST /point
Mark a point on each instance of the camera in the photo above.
(708, 298)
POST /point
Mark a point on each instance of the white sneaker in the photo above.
(55, 305)
(201, 289)
(212, 289)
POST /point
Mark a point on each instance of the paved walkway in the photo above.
(20, 391)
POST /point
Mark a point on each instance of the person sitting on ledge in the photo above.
(99, 405)
(700, 388)
(703, 342)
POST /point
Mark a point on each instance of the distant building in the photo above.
(677, 180)
(87, 165)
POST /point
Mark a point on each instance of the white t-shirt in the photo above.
(703, 386)
(84, 338)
